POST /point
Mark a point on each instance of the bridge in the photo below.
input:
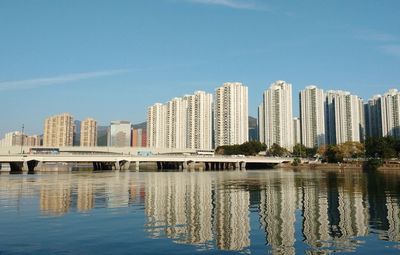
(123, 162)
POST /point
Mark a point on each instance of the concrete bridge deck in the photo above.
(109, 162)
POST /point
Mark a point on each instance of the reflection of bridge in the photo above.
(122, 162)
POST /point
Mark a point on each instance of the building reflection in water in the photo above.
(55, 198)
(85, 201)
(187, 209)
(277, 212)
(333, 210)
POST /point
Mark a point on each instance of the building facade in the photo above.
(58, 131)
(139, 137)
(231, 114)
(390, 113)
(176, 123)
(373, 117)
(312, 116)
(119, 134)
(276, 117)
(199, 121)
(182, 123)
(344, 117)
(88, 133)
(156, 126)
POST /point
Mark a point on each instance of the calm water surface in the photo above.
(253, 212)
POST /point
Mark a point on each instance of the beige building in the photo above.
(32, 140)
(58, 130)
(276, 116)
(312, 116)
(231, 114)
(89, 132)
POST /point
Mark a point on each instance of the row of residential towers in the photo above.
(195, 122)
(332, 117)
(59, 131)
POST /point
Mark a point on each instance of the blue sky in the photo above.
(111, 59)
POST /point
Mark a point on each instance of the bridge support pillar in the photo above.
(124, 165)
(137, 165)
(32, 164)
(185, 165)
(243, 165)
(117, 165)
(192, 166)
(16, 167)
(237, 165)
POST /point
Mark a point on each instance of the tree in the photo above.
(381, 147)
(277, 151)
(351, 149)
(333, 154)
(300, 150)
(247, 148)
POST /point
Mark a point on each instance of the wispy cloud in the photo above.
(235, 4)
(392, 49)
(376, 36)
(55, 80)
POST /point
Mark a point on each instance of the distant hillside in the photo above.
(140, 125)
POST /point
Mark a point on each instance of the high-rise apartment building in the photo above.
(156, 126)
(231, 114)
(199, 121)
(344, 117)
(58, 131)
(176, 123)
(390, 113)
(312, 116)
(373, 117)
(183, 122)
(88, 133)
(119, 134)
(32, 140)
(139, 137)
(275, 116)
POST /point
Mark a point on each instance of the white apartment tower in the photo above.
(88, 133)
(344, 117)
(58, 131)
(231, 114)
(176, 123)
(312, 116)
(373, 117)
(199, 121)
(276, 117)
(390, 113)
(156, 126)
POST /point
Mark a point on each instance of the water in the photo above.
(253, 212)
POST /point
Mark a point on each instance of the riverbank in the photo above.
(393, 165)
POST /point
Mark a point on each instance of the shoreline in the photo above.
(342, 166)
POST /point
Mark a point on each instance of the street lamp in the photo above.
(22, 138)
